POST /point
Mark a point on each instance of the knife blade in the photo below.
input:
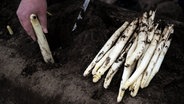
(82, 11)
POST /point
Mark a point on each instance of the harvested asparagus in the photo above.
(150, 51)
(166, 33)
(105, 48)
(42, 41)
(145, 50)
(132, 48)
(127, 72)
(142, 36)
(136, 86)
(112, 71)
(159, 62)
(99, 64)
(138, 52)
(116, 65)
(145, 61)
(143, 65)
(116, 51)
(9, 30)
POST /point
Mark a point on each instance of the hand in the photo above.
(28, 7)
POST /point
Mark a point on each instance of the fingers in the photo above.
(26, 24)
(24, 20)
(43, 21)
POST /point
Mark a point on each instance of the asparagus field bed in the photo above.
(141, 46)
(26, 79)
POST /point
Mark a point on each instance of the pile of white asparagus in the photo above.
(140, 46)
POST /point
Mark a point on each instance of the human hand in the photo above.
(28, 7)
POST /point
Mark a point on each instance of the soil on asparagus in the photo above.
(26, 79)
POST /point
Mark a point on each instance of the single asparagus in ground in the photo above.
(42, 41)
(9, 30)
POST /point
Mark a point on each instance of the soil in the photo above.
(26, 79)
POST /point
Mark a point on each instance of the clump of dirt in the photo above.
(26, 79)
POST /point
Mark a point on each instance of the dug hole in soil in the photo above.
(26, 79)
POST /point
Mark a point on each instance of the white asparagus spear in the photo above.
(126, 74)
(115, 66)
(136, 86)
(116, 51)
(105, 48)
(9, 30)
(112, 71)
(99, 64)
(132, 48)
(151, 49)
(127, 71)
(142, 36)
(131, 87)
(42, 41)
(159, 62)
(165, 35)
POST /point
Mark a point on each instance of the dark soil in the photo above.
(26, 79)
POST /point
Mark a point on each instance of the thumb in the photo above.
(43, 22)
